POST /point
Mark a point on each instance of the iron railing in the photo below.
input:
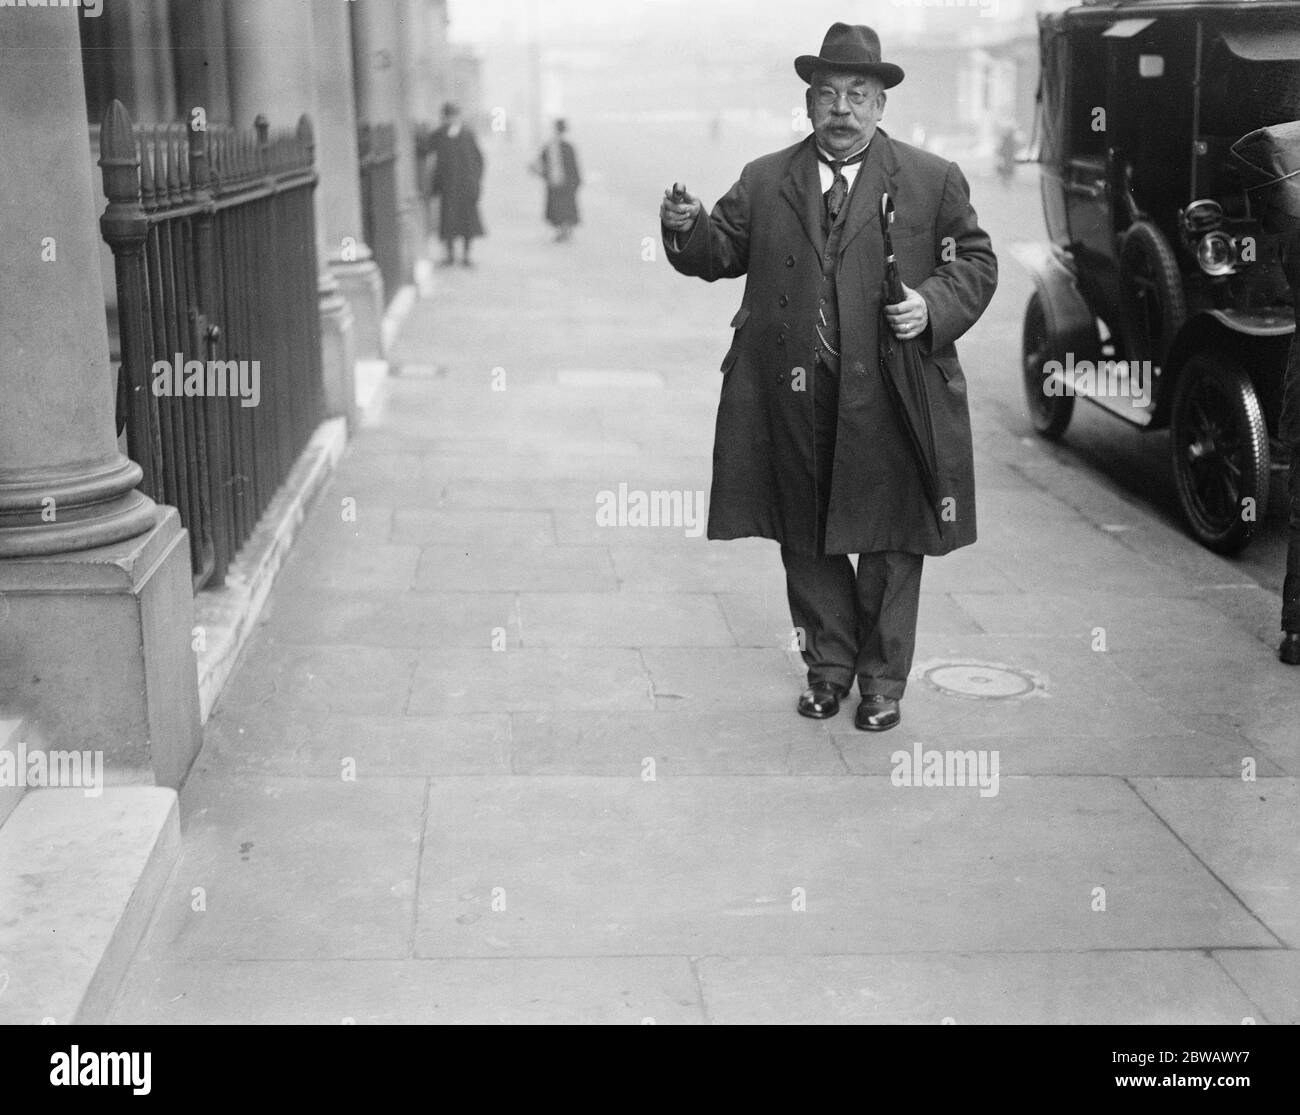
(377, 146)
(214, 247)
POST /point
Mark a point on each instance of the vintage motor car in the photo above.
(1161, 296)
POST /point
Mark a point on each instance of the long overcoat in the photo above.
(561, 198)
(768, 228)
(457, 180)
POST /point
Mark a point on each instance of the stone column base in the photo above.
(361, 283)
(338, 353)
(97, 653)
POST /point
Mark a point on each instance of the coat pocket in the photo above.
(733, 353)
(947, 365)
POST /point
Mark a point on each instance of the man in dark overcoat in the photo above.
(457, 181)
(809, 449)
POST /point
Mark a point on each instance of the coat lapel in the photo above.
(802, 189)
(875, 177)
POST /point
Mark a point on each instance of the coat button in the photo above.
(789, 261)
(780, 338)
(784, 301)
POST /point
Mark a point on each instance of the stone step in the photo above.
(11, 790)
(79, 878)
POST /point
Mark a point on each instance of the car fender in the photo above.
(1266, 332)
(1070, 322)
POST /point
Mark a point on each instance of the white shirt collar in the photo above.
(850, 172)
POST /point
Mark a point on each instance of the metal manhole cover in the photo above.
(980, 680)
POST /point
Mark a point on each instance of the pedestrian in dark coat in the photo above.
(457, 181)
(558, 165)
(809, 450)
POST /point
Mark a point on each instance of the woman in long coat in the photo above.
(558, 164)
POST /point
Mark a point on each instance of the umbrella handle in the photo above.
(893, 284)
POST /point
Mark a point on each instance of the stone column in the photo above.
(199, 50)
(96, 606)
(349, 256)
(378, 75)
(271, 72)
(123, 59)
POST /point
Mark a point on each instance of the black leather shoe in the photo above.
(821, 700)
(1289, 651)
(877, 714)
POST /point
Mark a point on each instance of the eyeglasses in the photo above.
(857, 97)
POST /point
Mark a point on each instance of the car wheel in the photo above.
(1153, 291)
(1050, 414)
(1220, 452)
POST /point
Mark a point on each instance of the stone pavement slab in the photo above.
(715, 866)
(278, 869)
(461, 681)
(1199, 754)
(622, 619)
(367, 566)
(703, 679)
(1246, 833)
(1110, 988)
(1270, 977)
(475, 530)
(315, 744)
(1081, 692)
(551, 992)
(555, 569)
(328, 678)
(679, 741)
(717, 567)
(392, 619)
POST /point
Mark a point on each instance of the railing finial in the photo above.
(118, 158)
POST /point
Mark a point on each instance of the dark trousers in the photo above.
(852, 622)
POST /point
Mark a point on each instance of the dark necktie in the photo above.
(840, 185)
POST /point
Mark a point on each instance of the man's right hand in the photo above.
(679, 214)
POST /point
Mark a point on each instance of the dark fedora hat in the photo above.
(853, 48)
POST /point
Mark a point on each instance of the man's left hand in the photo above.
(909, 317)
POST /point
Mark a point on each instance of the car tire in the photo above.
(1220, 453)
(1050, 414)
(1155, 304)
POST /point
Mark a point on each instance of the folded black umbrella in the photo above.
(902, 365)
(1270, 162)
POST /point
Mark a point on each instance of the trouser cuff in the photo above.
(882, 687)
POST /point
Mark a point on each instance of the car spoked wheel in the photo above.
(1153, 285)
(1220, 452)
(1050, 414)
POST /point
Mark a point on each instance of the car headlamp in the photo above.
(1216, 253)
